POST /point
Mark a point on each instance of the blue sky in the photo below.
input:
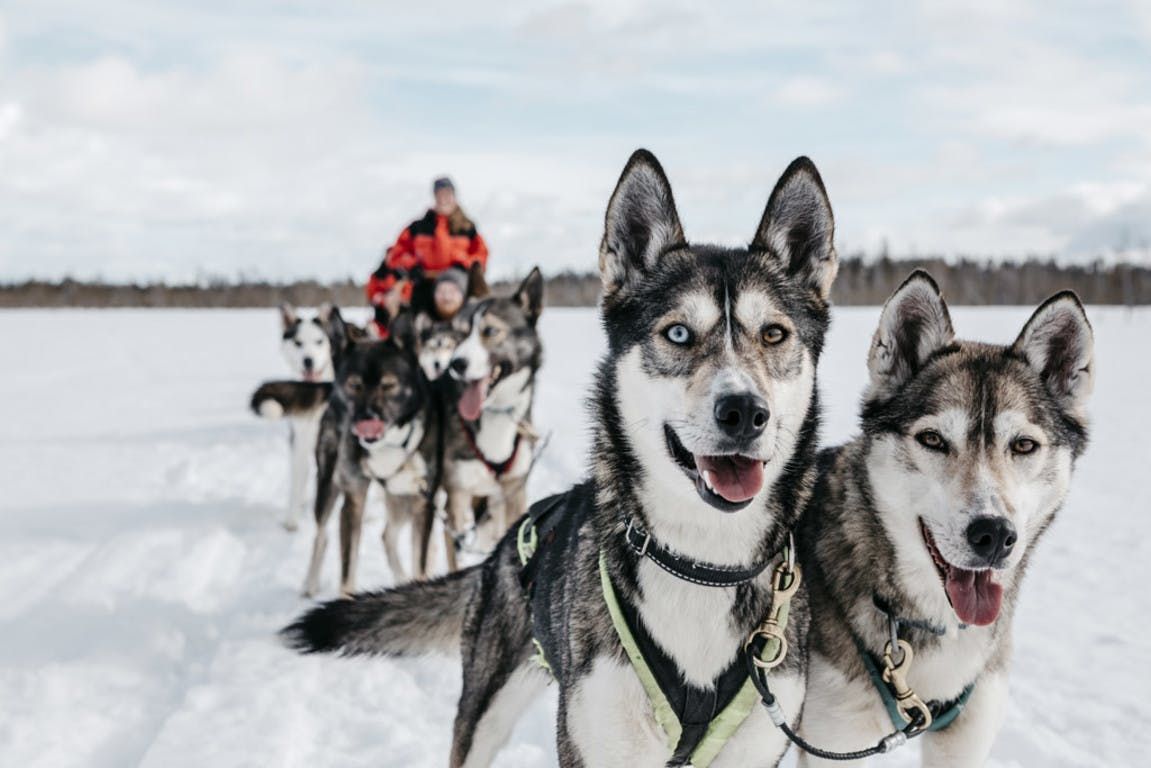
(180, 140)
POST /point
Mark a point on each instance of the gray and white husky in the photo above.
(486, 453)
(309, 348)
(705, 417)
(922, 527)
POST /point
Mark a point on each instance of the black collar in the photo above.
(642, 544)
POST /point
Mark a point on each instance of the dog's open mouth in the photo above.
(975, 596)
(728, 483)
(311, 375)
(471, 403)
(369, 430)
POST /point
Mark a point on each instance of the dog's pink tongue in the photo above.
(472, 400)
(368, 429)
(735, 478)
(974, 595)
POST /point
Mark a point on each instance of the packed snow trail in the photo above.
(143, 572)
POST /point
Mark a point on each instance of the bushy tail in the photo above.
(274, 399)
(416, 618)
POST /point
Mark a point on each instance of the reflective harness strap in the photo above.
(723, 725)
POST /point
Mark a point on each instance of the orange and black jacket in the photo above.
(428, 246)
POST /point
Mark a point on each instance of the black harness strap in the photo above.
(705, 574)
(694, 707)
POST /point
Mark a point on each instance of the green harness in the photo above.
(770, 635)
(729, 719)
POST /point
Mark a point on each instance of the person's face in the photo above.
(449, 298)
(445, 201)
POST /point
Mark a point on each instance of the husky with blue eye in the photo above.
(921, 528)
(636, 590)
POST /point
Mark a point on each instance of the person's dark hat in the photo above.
(456, 276)
(443, 182)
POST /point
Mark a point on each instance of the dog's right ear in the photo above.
(288, 315)
(913, 326)
(641, 223)
(333, 324)
(477, 283)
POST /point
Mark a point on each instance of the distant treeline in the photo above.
(860, 281)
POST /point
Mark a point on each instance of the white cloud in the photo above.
(807, 91)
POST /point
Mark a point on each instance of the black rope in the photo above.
(759, 679)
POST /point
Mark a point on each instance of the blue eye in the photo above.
(678, 334)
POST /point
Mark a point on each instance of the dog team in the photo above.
(719, 585)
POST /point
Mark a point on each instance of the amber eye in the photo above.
(932, 440)
(774, 334)
(353, 385)
(490, 331)
(389, 385)
(1022, 446)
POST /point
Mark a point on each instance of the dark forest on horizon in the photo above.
(860, 282)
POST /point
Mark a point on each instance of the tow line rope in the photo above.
(910, 715)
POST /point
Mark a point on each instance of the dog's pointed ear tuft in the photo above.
(288, 315)
(402, 331)
(641, 223)
(1059, 344)
(913, 325)
(333, 324)
(477, 283)
(530, 295)
(799, 228)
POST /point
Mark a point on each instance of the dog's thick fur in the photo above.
(953, 432)
(753, 325)
(379, 387)
(311, 347)
(498, 356)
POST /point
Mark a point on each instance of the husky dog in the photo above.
(705, 417)
(436, 342)
(922, 527)
(309, 347)
(371, 430)
(486, 452)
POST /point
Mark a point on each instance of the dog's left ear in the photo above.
(402, 331)
(799, 228)
(913, 325)
(530, 295)
(1059, 344)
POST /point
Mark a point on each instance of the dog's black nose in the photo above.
(308, 363)
(743, 416)
(459, 366)
(991, 538)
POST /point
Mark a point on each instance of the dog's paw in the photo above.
(291, 526)
(270, 409)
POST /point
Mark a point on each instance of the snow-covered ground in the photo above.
(143, 573)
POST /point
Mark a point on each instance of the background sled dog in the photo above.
(371, 430)
(310, 347)
(706, 412)
(488, 447)
(929, 517)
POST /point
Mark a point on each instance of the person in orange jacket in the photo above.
(443, 239)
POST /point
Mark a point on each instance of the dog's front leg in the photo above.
(840, 714)
(967, 741)
(351, 521)
(303, 444)
(396, 512)
(459, 510)
(608, 720)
